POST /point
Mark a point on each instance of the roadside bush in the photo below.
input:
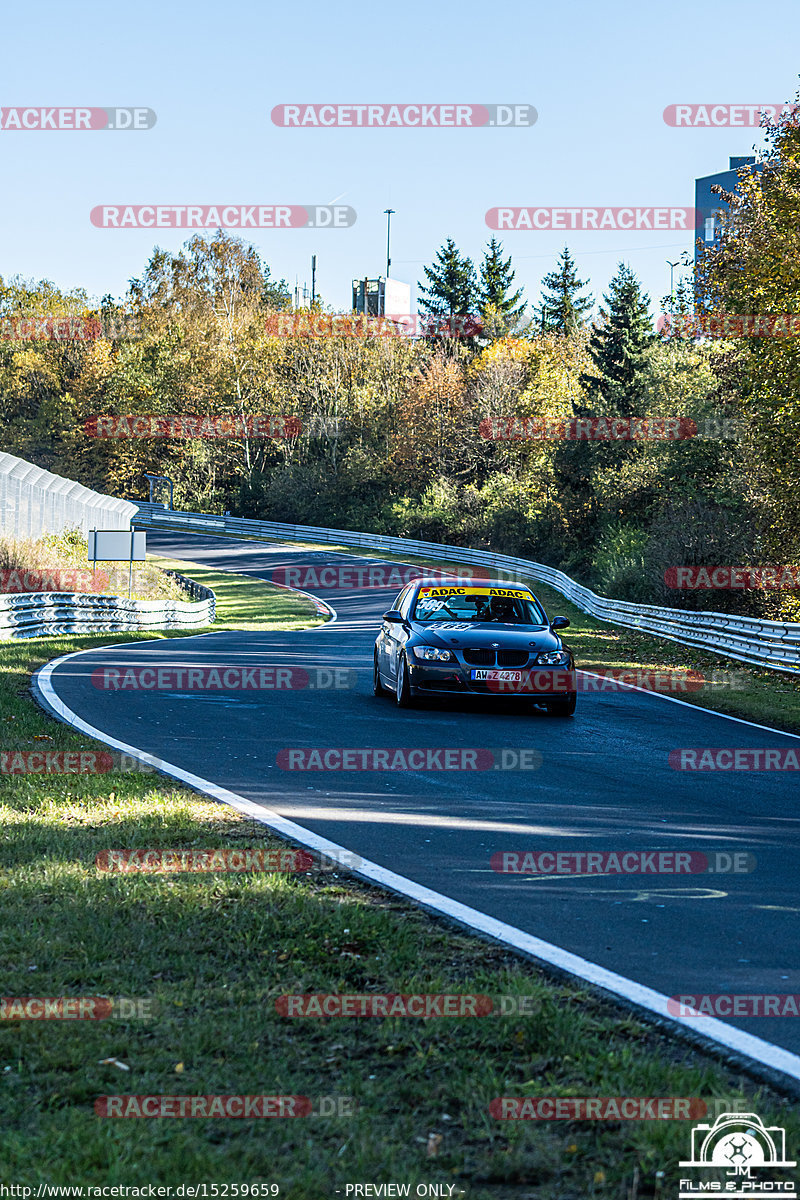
(69, 550)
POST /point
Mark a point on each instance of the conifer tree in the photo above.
(563, 309)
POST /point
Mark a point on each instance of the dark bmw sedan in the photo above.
(448, 639)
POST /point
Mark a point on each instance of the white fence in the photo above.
(773, 644)
(33, 502)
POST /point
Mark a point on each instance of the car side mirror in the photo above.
(559, 623)
(393, 616)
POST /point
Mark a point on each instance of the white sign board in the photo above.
(115, 545)
(397, 298)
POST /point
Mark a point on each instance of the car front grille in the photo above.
(512, 658)
(479, 657)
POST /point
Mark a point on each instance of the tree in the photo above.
(752, 269)
(498, 308)
(452, 285)
(562, 311)
(618, 345)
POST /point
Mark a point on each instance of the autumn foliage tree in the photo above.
(754, 269)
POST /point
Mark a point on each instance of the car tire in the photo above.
(402, 691)
(563, 708)
(377, 686)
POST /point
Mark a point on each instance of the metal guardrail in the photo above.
(34, 501)
(772, 644)
(51, 614)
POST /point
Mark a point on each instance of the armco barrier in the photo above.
(34, 501)
(48, 614)
(773, 644)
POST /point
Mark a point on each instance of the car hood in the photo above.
(509, 637)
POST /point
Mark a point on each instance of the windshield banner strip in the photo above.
(522, 593)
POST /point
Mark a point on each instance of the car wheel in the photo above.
(403, 689)
(377, 686)
(563, 708)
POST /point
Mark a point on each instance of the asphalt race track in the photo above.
(605, 784)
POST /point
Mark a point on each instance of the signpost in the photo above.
(118, 545)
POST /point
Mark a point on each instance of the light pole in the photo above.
(672, 266)
(388, 212)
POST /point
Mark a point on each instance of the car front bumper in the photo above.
(455, 679)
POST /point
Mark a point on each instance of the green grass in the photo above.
(211, 953)
(247, 603)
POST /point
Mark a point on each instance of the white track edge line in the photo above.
(727, 1036)
(712, 712)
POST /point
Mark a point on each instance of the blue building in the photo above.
(708, 206)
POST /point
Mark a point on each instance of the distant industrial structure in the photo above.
(381, 297)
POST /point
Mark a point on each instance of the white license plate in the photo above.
(501, 676)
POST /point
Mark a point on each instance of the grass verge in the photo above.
(247, 603)
(209, 954)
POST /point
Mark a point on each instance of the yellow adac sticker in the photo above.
(474, 591)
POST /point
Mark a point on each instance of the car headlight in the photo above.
(433, 654)
(553, 658)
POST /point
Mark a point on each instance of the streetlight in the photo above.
(388, 212)
(672, 266)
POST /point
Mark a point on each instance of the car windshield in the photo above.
(506, 606)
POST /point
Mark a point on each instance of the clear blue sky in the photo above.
(599, 75)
